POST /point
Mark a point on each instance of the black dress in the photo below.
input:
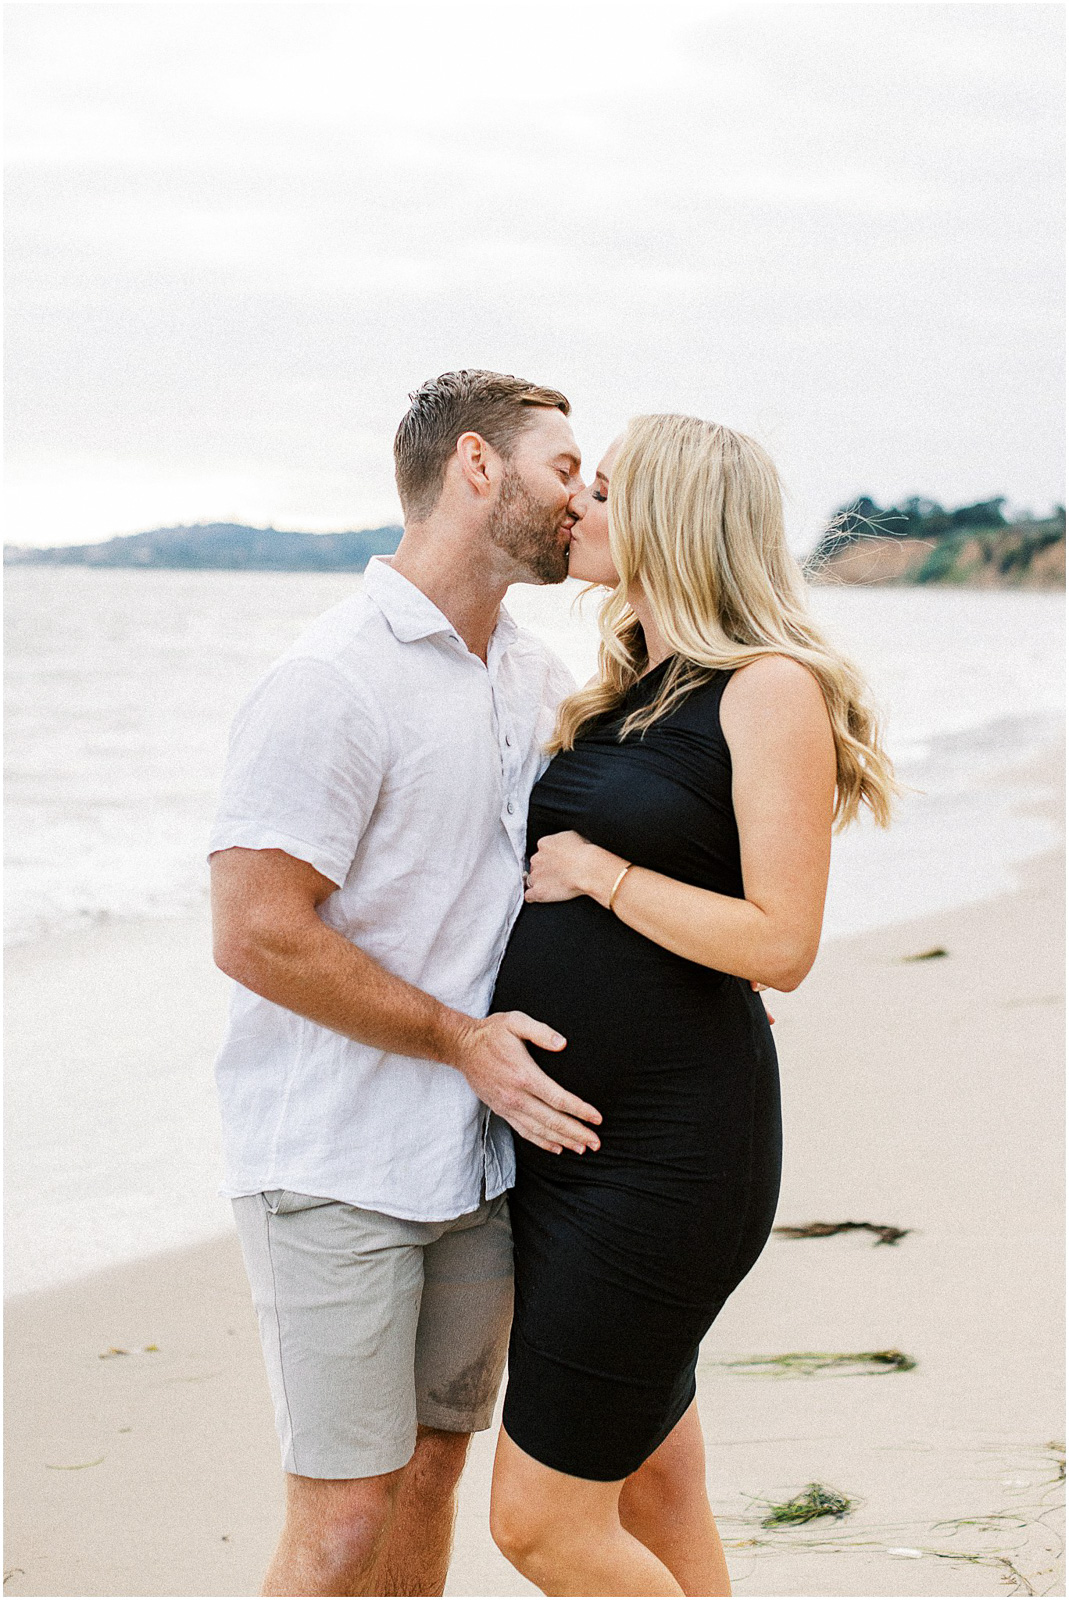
(625, 1255)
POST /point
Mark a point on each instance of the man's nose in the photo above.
(577, 501)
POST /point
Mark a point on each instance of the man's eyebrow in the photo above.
(569, 455)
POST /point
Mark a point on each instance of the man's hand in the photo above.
(492, 1057)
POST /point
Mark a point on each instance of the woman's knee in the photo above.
(519, 1526)
(543, 1520)
(532, 1530)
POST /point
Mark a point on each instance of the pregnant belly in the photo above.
(677, 1058)
(628, 1008)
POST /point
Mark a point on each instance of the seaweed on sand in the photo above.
(815, 1500)
(885, 1234)
(803, 1363)
(1022, 1544)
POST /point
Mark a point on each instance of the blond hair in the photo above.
(696, 518)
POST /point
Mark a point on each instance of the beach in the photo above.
(918, 1094)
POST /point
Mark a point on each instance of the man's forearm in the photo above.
(268, 935)
(312, 970)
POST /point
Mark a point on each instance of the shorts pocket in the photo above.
(281, 1202)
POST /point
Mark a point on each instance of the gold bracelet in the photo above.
(616, 885)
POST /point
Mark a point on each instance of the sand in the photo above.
(925, 1095)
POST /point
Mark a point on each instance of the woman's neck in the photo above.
(657, 650)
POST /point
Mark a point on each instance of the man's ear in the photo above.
(478, 463)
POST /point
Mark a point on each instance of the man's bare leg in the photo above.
(335, 1529)
(386, 1535)
(414, 1557)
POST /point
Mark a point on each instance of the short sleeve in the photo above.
(304, 768)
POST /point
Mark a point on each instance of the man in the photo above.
(367, 865)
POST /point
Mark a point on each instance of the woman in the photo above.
(679, 846)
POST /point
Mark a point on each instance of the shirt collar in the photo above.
(411, 615)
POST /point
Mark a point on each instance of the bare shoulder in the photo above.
(772, 712)
(773, 685)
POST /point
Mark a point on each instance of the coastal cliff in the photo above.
(920, 543)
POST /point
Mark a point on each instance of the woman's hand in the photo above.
(566, 865)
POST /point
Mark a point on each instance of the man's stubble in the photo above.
(528, 532)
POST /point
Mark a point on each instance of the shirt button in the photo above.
(509, 807)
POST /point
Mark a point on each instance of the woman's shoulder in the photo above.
(774, 689)
(773, 675)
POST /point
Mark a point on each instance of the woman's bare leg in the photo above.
(564, 1534)
(665, 1505)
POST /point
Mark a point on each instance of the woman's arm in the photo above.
(783, 789)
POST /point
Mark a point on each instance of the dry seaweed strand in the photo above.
(978, 1558)
(804, 1363)
(885, 1234)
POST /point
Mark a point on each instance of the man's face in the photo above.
(532, 516)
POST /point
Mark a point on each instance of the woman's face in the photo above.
(589, 557)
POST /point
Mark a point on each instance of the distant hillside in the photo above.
(223, 546)
(920, 542)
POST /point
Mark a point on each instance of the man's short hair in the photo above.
(494, 405)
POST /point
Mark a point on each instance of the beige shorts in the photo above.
(371, 1324)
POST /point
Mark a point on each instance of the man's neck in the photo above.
(465, 588)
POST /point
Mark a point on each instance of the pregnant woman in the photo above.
(679, 845)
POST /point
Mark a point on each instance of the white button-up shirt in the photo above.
(383, 752)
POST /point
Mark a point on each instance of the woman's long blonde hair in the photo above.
(696, 518)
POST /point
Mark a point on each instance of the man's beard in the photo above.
(528, 532)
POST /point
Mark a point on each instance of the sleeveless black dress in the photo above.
(625, 1255)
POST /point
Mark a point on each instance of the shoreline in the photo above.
(937, 1110)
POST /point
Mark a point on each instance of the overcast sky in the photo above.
(238, 235)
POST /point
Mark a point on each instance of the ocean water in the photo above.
(120, 687)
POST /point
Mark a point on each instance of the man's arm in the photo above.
(269, 937)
